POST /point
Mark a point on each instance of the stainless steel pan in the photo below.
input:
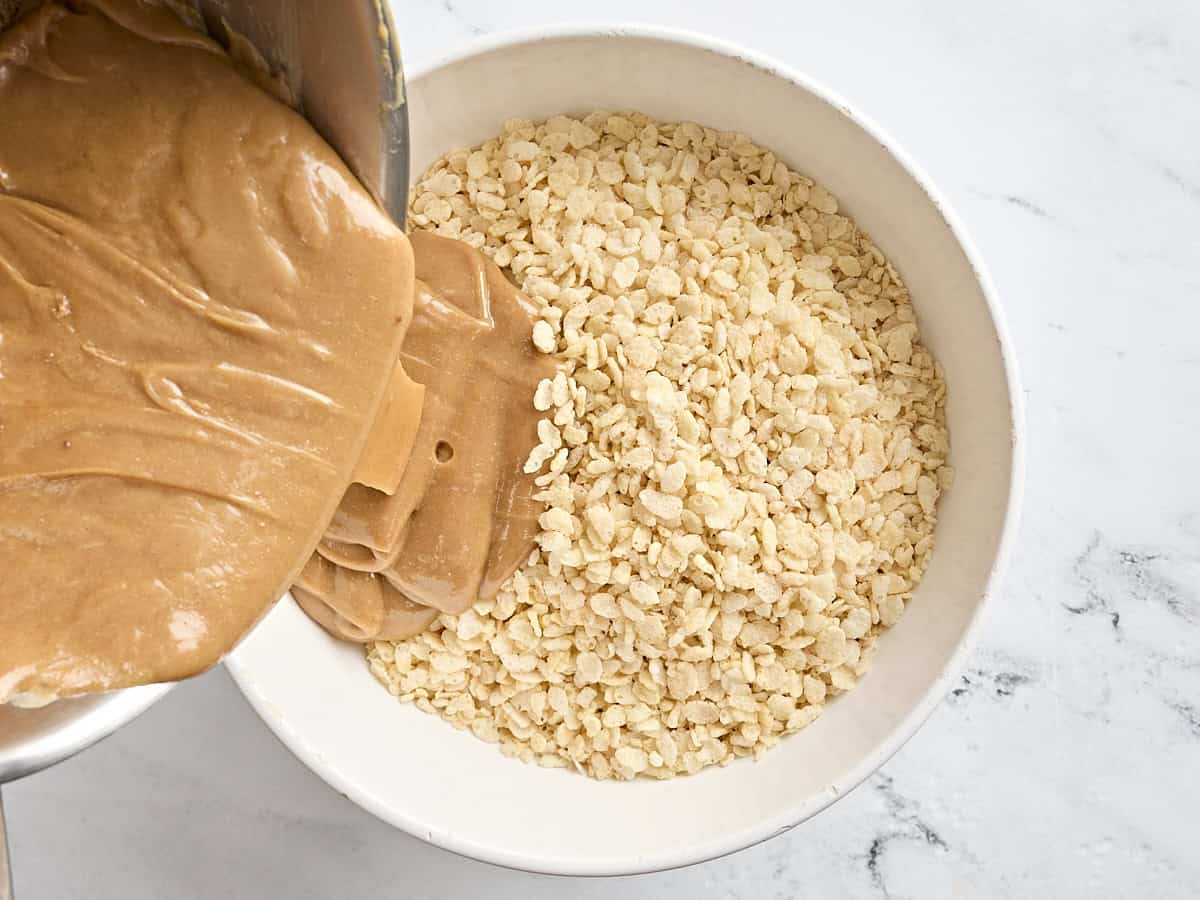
(341, 62)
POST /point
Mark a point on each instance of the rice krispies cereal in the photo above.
(740, 460)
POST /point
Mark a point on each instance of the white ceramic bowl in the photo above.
(442, 785)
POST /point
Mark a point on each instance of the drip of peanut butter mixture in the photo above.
(440, 513)
(200, 311)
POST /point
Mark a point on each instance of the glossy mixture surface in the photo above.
(200, 309)
(440, 513)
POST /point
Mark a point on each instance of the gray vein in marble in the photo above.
(1003, 684)
(1028, 205)
(905, 824)
(1148, 588)
(1140, 575)
(1190, 715)
(1163, 170)
(1155, 40)
(1192, 190)
(451, 9)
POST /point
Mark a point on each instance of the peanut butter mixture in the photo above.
(200, 309)
(202, 342)
(441, 513)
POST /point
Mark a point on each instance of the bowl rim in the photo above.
(916, 717)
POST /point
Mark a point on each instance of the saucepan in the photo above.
(32, 739)
(340, 61)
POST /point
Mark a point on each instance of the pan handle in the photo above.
(6, 888)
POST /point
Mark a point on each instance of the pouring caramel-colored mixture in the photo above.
(200, 316)
(440, 513)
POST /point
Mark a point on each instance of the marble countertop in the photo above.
(1067, 762)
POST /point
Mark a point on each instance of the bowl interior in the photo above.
(444, 786)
